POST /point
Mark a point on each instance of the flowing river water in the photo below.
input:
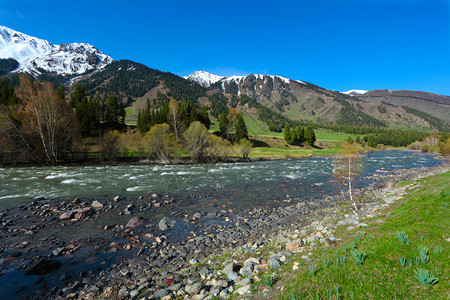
(236, 187)
(21, 185)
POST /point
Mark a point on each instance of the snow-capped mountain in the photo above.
(206, 79)
(36, 56)
(203, 78)
(355, 92)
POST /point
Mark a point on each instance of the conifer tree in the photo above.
(310, 136)
(241, 129)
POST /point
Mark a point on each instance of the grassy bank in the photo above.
(390, 265)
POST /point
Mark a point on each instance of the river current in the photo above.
(19, 186)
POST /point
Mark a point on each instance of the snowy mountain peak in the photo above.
(203, 78)
(22, 47)
(355, 92)
(37, 56)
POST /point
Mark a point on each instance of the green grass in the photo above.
(422, 212)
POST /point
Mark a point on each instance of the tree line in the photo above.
(299, 135)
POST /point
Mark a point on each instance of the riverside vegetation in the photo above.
(39, 126)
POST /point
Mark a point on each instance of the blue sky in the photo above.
(337, 44)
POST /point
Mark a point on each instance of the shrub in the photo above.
(424, 148)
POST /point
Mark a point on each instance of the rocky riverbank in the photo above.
(58, 249)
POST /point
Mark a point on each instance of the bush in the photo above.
(197, 140)
(424, 148)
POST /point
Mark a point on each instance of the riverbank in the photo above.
(184, 254)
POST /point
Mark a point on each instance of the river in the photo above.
(21, 185)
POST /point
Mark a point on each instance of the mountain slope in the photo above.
(433, 104)
(303, 101)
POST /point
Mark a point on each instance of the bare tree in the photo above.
(245, 147)
(346, 167)
(110, 145)
(174, 117)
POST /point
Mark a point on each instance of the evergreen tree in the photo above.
(241, 129)
(287, 133)
(310, 136)
(300, 135)
(223, 124)
(78, 95)
(114, 113)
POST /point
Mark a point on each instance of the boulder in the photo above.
(67, 215)
(41, 266)
(136, 222)
(166, 224)
(161, 293)
(194, 289)
(274, 263)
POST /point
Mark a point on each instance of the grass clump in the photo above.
(425, 277)
(313, 269)
(359, 256)
(423, 254)
(269, 280)
(402, 261)
(403, 238)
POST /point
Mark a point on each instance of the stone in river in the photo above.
(166, 224)
(136, 222)
(67, 215)
(97, 205)
(41, 266)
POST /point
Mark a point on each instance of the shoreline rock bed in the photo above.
(223, 256)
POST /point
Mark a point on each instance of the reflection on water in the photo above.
(21, 185)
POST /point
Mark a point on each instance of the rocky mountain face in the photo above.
(36, 56)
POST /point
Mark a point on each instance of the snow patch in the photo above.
(358, 92)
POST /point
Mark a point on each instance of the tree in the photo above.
(114, 113)
(310, 136)
(245, 147)
(287, 133)
(241, 129)
(223, 125)
(299, 135)
(174, 117)
(159, 142)
(110, 145)
(78, 95)
(346, 167)
(46, 118)
(218, 147)
(197, 140)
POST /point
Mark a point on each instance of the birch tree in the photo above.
(346, 167)
(46, 116)
(174, 117)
